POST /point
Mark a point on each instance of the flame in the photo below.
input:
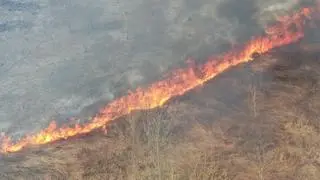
(288, 29)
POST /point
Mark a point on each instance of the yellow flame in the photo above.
(181, 81)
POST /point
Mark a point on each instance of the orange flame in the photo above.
(289, 29)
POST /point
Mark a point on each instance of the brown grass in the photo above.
(263, 125)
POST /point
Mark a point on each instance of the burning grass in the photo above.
(258, 125)
(287, 30)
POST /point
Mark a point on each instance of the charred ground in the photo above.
(256, 121)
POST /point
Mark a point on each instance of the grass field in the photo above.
(257, 121)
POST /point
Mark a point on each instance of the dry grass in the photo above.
(245, 128)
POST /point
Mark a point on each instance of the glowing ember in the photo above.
(289, 29)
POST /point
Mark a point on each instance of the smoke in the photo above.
(243, 14)
(63, 59)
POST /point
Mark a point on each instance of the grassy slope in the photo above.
(259, 124)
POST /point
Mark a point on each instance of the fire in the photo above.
(289, 29)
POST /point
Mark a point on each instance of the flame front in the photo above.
(289, 29)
